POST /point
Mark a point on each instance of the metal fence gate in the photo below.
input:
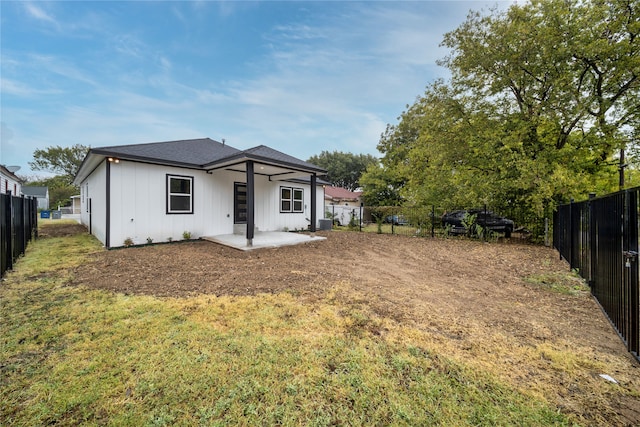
(599, 238)
(18, 225)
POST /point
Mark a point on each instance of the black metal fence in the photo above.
(599, 238)
(427, 221)
(18, 225)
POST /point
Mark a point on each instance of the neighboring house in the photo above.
(341, 204)
(341, 196)
(9, 182)
(162, 190)
(76, 208)
(40, 193)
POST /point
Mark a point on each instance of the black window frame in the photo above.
(295, 204)
(239, 212)
(169, 194)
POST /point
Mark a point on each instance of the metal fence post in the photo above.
(570, 235)
(484, 231)
(433, 221)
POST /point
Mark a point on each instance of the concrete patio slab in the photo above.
(263, 239)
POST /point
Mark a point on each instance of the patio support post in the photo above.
(250, 203)
(313, 204)
(107, 228)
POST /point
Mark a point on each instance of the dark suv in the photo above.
(486, 219)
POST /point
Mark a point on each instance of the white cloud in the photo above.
(62, 67)
(39, 14)
(128, 45)
(297, 32)
(16, 88)
(316, 82)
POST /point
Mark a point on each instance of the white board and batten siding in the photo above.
(10, 185)
(267, 209)
(138, 202)
(94, 188)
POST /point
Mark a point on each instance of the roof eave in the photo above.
(244, 157)
(145, 159)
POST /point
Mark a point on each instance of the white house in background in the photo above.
(203, 187)
(76, 208)
(40, 193)
(342, 204)
(9, 182)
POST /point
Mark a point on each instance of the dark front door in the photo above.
(239, 203)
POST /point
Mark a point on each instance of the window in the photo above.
(291, 199)
(297, 200)
(179, 194)
(240, 204)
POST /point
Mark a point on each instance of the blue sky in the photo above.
(299, 77)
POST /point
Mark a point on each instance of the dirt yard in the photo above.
(487, 304)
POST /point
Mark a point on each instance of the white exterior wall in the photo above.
(94, 188)
(11, 184)
(139, 211)
(139, 204)
(43, 202)
(342, 213)
(268, 215)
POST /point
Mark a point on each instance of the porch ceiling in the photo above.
(274, 172)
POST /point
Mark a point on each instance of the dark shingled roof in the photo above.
(269, 155)
(189, 152)
(203, 153)
(34, 191)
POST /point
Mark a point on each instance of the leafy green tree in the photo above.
(60, 190)
(63, 161)
(541, 100)
(570, 66)
(344, 169)
(383, 182)
(381, 187)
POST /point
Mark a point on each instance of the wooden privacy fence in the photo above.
(599, 238)
(18, 225)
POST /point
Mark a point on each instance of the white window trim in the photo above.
(292, 201)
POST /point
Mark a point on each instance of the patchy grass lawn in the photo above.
(72, 355)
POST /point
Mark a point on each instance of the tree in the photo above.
(571, 66)
(384, 181)
(541, 99)
(381, 187)
(60, 190)
(63, 161)
(344, 169)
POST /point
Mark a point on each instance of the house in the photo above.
(73, 208)
(195, 188)
(40, 193)
(9, 182)
(76, 208)
(341, 204)
(341, 196)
